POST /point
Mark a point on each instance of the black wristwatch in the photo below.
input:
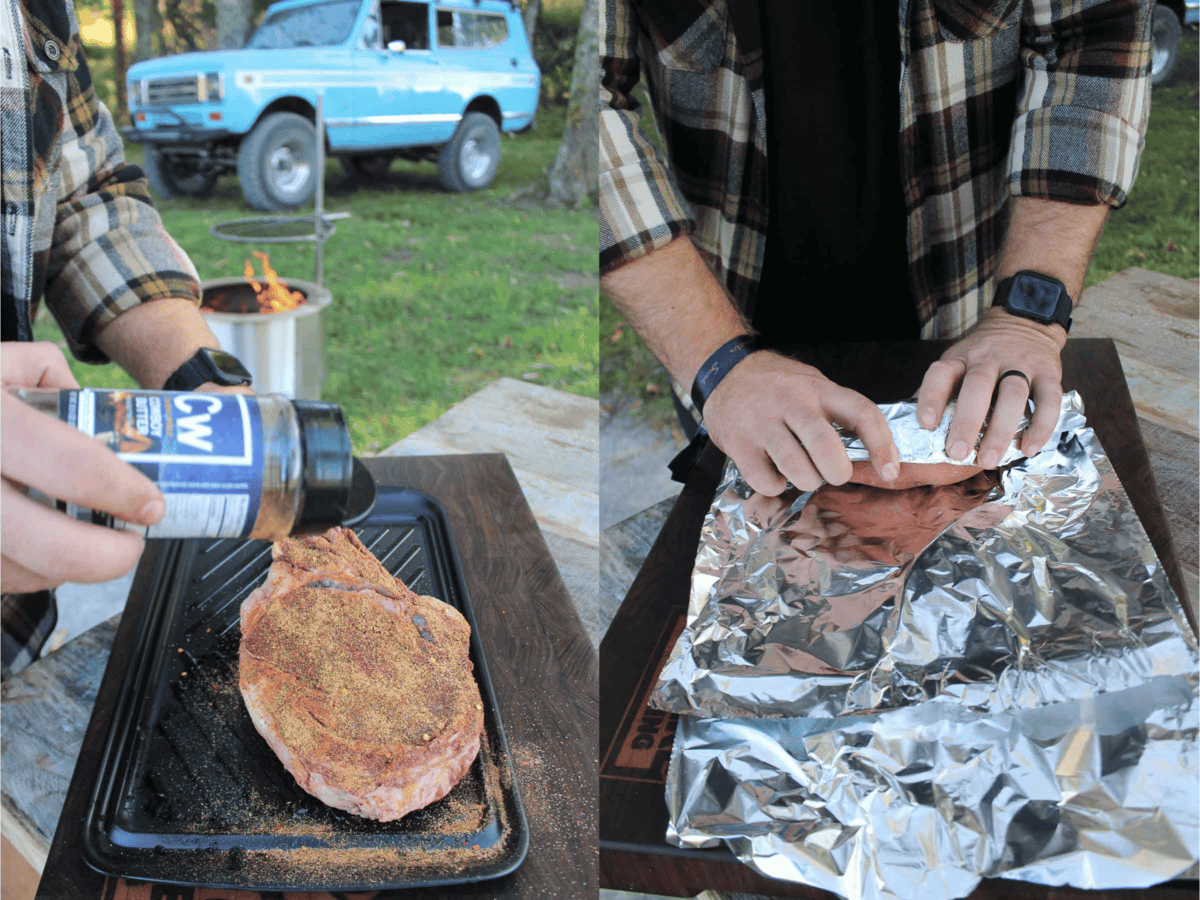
(208, 365)
(1037, 297)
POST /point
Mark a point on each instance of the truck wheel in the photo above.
(1164, 44)
(277, 163)
(368, 165)
(172, 177)
(470, 159)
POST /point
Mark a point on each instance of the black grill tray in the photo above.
(190, 794)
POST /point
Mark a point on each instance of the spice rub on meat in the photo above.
(361, 687)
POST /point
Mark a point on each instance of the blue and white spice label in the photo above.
(204, 451)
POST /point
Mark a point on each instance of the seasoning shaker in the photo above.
(229, 465)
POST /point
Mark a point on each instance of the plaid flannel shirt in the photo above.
(79, 226)
(998, 98)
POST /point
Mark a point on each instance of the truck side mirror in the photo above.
(397, 46)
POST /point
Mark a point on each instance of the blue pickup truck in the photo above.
(437, 80)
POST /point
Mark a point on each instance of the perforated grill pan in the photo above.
(190, 794)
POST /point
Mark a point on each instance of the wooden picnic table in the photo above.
(542, 666)
(635, 740)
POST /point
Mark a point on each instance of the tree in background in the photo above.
(572, 178)
(529, 15)
(149, 24)
(233, 24)
(120, 59)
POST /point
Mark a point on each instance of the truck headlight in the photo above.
(212, 87)
(134, 90)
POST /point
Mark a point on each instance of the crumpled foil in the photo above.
(1033, 585)
(928, 800)
(924, 688)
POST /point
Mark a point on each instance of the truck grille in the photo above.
(169, 91)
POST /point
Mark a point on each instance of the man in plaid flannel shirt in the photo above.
(79, 229)
(1020, 126)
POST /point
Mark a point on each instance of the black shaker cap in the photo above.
(328, 466)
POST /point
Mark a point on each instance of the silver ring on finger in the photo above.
(1019, 374)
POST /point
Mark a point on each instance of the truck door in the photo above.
(406, 106)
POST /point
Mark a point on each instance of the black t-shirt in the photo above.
(836, 260)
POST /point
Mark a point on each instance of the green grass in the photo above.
(1158, 229)
(435, 294)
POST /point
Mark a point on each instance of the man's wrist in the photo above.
(1053, 331)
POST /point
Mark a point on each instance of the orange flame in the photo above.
(275, 297)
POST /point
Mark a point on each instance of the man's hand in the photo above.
(211, 387)
(773, 414)
(43, 548)
(1046, 236)
(999, 343)
(770, 413)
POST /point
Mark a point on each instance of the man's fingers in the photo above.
(824, 453)
(1011, 396)
(938, 385)
(58, 548)
(16, 579)
(1047, 400)
(974, 399)
(39, 364)
(794, 461)
(760, 473)
(79, 470)
(855, 412)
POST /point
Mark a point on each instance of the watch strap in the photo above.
(196, 371)
(718, 365)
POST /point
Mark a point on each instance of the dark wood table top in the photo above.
(635, 741)
(543, 669)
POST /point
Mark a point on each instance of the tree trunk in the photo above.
(145, 14)
(120, 63)
(572, 178)
(530, 15)
(233, 24)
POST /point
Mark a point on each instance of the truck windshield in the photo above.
(319, 25)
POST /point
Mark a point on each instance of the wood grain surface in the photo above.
(543, 669)
(633, 816)
(550, 437)
(1154, 321)
(46, 708)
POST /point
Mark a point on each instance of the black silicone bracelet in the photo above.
(717, 366)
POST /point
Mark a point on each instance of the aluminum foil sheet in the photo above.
(1032, 585)
(928, 800)
(895, 694)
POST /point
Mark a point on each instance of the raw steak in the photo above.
(913, 475)
(361, 687)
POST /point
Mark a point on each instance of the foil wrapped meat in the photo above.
(897, 693)
(1032, 584)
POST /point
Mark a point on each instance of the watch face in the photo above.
(1034, 295)
(228, 365)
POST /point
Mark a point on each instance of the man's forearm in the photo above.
(1052, 238)
(152, 340)
(677, 306)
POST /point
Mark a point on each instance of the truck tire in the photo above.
(470, 159)
(170, 178)
(1164, 44)
(277, 163)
